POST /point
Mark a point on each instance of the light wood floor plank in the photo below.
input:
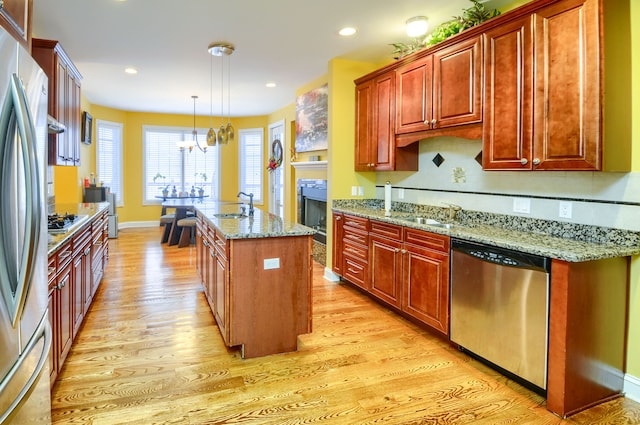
(150, 352)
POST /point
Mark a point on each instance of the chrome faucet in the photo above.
(250, 195)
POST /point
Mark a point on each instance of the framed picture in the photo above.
(85, 132)
(312, 114)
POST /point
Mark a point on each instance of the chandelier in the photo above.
(189, 144)
(226, 132)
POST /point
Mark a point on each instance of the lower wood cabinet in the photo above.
(405, 268)
(75, 270)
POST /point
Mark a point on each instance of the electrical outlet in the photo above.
(522, 205)
(354, 190)
(565, 209)
(401, 193)
(361, 190)
(271, 263)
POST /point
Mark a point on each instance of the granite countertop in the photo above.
(261, 225)
(534, 242)
(86, 212)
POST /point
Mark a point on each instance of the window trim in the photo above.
(258, 200)
(120, 126)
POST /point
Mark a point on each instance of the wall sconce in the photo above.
(417, 26)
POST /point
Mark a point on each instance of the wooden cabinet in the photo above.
(15, 17)
(440, 90)
(64, 100)
(375, 147)
(426, 278)
(405, 268)
(261, 308)
(355, 250)
(74, 270)
(385, 246)
(221, 292)
(338, 232)
(546, 117)
(61, 303)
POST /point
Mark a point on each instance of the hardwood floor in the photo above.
(150, 352)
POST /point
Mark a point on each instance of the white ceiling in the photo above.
(283, 41)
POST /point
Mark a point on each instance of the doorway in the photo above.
(277, 176)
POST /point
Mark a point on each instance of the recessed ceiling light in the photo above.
(270, 85)
(131, 71)
(347, 31)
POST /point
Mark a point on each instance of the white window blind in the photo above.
(252, 164)
(109, 157)
(166, 166)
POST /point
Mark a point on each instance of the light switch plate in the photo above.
(522, 205)
(271, 263)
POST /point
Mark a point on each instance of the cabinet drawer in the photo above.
(63, 256)
(426, 239)
(356, 222)
(355, 272)
(356, 250)
(355, 237)
(387, 230)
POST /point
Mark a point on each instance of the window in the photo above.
(166, 166)
(252, 164)
(109, 157)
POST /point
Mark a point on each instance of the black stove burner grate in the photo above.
(60, 221)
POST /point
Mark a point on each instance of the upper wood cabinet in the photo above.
(440, 90)
(64, 100)
(547, 117)
(15, 17)
(375, 148)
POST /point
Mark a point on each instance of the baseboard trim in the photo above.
(330, 276)
(632, 387)
(133, 224)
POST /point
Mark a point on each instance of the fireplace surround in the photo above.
(312, 206)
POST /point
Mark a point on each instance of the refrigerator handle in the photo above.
(44, 330)
(27, 258)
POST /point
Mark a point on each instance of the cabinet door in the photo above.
(426, 286)
(53, 353)
(64, 313)
(414, 96)
(77, 292)
(15, 17)
(221, 301)
(375, 129)
(73, 110)
(62, 154)
(210, 282)
(386, 269)
(567, 121)
(508, 97)
(337, 244)
(364, 117)
(457, 84)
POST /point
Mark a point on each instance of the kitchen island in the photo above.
(256, 271)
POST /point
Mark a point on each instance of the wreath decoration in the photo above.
(275, 160)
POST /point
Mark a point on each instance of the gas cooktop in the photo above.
(62, 223)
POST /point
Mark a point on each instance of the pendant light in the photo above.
(230, 130)
(225, 132)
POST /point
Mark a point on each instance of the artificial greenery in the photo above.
(474, 15)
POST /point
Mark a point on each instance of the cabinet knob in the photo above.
(1, 4)
(536, 161)
(433, 122)
(338, 218)
(404, 251)
(524, 161)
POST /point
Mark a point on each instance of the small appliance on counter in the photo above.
(95, 194)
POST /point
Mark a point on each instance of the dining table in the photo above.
(183, 207)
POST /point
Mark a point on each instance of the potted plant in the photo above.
(203, 179)
(165, 189)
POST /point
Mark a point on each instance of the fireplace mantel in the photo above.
(310, 165)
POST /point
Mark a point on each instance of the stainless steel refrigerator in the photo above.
(25, 333)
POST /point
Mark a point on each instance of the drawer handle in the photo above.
(64, 255)
(87, 251)
(350, 270)
(51, 270)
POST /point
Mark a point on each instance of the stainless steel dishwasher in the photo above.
(500, 308)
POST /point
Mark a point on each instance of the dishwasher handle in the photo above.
(502, 256)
